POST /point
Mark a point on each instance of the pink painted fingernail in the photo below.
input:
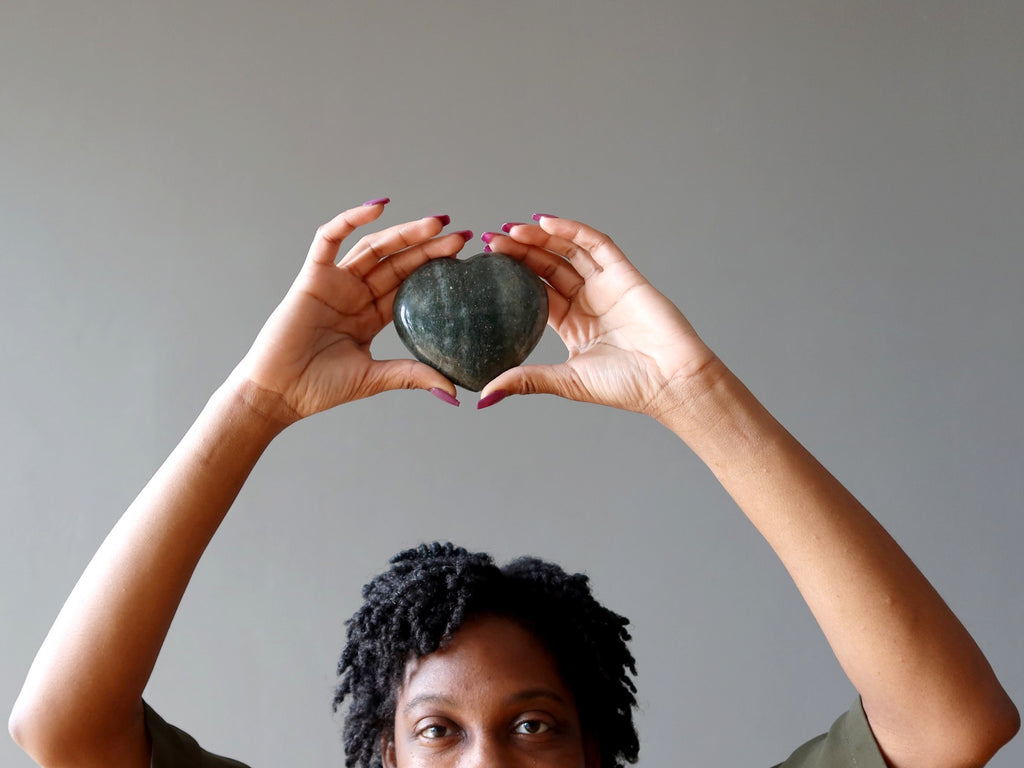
(378, 201)
(539, 216)
(440, 394)
(507, 226)
(495, 397)
(466, 234)
(487, 249)
(444, 218)
(488, 236)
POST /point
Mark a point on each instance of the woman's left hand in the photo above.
(628, 344)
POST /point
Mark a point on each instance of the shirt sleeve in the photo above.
(848, 744)
(173, 748)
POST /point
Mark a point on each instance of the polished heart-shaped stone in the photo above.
(471, 319)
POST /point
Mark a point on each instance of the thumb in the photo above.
(411, 374)
(532, 380)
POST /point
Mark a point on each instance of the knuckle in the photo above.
(374, 249)
(407, 376)
(574, 289)
(575, 252)
(323, 233)
(400, 270)
(527, 385)
(549, 271)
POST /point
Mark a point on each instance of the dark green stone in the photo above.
(471, 319)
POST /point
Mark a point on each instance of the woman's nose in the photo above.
(489, 752)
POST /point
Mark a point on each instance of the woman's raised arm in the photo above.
(81, 704)
(930, 696)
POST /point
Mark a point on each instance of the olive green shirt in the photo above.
(848, 744)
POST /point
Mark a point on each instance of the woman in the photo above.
(927, 696)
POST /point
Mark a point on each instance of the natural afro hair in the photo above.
(416, 607)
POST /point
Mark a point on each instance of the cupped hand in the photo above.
(313, 353)
(628, 344)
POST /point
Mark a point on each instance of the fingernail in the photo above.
(466, 234)
(487, 249)
(539, 216)
(440, 394)
(444, 218)
(495, 397)
(378, 201)
(507, 226)
(488, 236)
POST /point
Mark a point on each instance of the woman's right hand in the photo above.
(314, 351)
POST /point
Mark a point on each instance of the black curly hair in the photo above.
(415, 607)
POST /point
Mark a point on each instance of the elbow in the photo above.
(992, 727)
(19, 726)
(56, 737)
(964, 735)
(1007, 722)
(23, 726)
(14, 727)
(32, 729)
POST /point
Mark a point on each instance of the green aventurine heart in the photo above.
(471, 319)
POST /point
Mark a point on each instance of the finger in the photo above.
(558, 308)
(386, 375)
(580, 258)
(556, 379)
(329, 236)
(388, 274)
(597, 244)
(365, 254)
(551, 267)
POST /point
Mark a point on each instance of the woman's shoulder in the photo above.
(173, 748)
(849, 743)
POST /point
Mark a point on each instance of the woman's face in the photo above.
(492, 698)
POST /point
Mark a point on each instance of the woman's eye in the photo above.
(532, 727)
(434, 732)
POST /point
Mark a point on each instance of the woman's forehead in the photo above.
(490, 653)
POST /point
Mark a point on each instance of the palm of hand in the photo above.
(323, 327)
(314, 351)
(626, 340)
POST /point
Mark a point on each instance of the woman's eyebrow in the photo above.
(428, 698)
(536, 693)
(515, 698)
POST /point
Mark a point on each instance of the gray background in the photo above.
(832, 191)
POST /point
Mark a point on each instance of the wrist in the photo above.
(263, 413)
(681, 405)
(710, 406)
(724, 423)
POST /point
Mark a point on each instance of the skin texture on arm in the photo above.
(930, 696)
(81, 704)
(82, 701)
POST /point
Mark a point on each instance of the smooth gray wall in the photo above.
(832, 191)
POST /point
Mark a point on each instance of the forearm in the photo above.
(86, 683)
(923, 680)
